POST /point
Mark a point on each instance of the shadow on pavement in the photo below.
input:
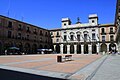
(14, 75)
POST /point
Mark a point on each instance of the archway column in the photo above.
(116, 46)
(98, 48)
(54, 47)
(68, 49)
(108, 47)
(82, 49)
(61, 48)
(75, 49)
(90, 49)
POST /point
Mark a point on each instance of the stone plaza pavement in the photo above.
(82, 67)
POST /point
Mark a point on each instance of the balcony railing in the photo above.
(20, 29)
(111, 32)
(28, 31)
(57, 35)
(103, 33)
(35, 33)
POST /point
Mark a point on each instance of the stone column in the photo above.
(98, 48)
(116, 47)
(90, 49)
(75, 49)
(107, 47)
(61, 48)
(82, 49)
(68, 49)
(54, 47)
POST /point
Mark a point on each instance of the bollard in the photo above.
(59, 58)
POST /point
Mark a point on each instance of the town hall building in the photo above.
(84, 38)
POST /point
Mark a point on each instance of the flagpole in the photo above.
(8, 13)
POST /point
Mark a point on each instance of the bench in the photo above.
(67, 57)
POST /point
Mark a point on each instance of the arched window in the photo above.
(65, 49)
(103, 30)
(71, 49)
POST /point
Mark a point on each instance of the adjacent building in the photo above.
(117, 24)
(107, 37)
(25, 36)
(83, 38)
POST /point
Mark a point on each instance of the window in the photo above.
(111, 38)
(78, 37)
(9, 34)
(51, 33)
(57, 40)
(119, 10)
(103, 30)
(93, 21)
(34, 30)
(28, 29)
(111, 30)
(103, 38)
(46, 34)
(85, 36)
(41, 32)
(64, 24)
(34, 38)
(10, 24)
(71, 37)
(19, 27)
(65, 32)
(57, 33)
(93, 29)
(65, 37)
(40, 39)
(93, 36)
(19, 35)
(27, 37)
(0, 21)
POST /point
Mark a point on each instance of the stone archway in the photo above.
(85, 48)
(27, 48)
(6, 46)
(52, 47)
(20, 45)
(103, 47)
(57, 48)
(79, 49)
(71, 49)
(1, 48)
(65, 49)
(94, 49)
(46, 47)
(40, 46)
(34, 48)
(112, 47)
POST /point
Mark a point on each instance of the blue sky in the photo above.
(48, 13)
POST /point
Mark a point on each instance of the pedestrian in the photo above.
(97, 53)
(5, 52)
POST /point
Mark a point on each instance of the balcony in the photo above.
(111, 32)
(103, 33)
(20, 29)
(57, 35)
(28, 31)
(35, 33)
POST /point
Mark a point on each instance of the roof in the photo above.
(21, 22)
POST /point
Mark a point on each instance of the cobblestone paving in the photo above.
(47, 64)
(109, 70)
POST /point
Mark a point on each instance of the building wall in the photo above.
(107, 32)
(37, 36)
(117, 24)
(93, 46)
